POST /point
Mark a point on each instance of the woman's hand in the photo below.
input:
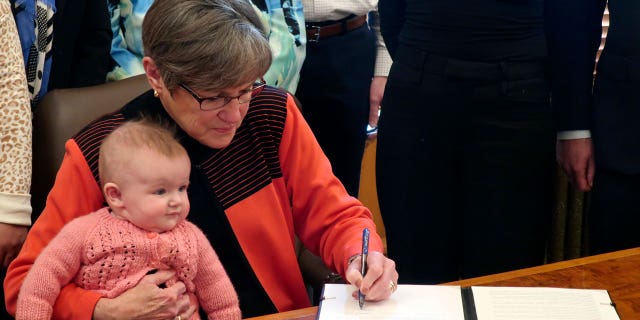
(11, 239)
(148, 300)
(381, 279)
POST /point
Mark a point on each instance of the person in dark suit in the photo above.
(342, 80)
(81, 44)
(606, 119)
(466, 137)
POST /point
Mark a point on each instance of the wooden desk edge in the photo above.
(545, 268)
(299, 314)
(310, 313)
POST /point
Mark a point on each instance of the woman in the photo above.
(466, 137)
(15, 163)
(258, 176)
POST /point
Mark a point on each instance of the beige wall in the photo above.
(368, 194)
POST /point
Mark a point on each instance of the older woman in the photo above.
(258, 176)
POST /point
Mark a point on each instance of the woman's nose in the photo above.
(231, 112)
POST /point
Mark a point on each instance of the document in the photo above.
(408, 302)
(508, 303)
(431, 302)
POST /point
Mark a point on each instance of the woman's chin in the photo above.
(218, 141)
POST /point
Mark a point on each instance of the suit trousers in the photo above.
(614, 214)
(334, 92)
(464, 166)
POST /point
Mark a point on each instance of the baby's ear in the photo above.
(112, 195)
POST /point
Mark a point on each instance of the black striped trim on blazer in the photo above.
(248, 164)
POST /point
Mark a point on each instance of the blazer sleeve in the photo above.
(573, 30)
(74, 193)
(326, 218)
(15, 128)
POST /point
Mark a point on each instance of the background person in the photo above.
(342, 80)
(283, 22)
(466, 137)
(599, 145)
(258, 176)
(15, 143)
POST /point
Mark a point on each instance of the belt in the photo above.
(317, 32)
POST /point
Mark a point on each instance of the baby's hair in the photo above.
(132, 136)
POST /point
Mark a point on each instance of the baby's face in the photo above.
(154, 190)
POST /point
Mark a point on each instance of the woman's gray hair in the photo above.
(206, 44)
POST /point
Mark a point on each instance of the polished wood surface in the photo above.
(618, 272)
(301, 314)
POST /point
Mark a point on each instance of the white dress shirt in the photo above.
(326, 10)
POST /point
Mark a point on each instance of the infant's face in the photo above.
(154, 190)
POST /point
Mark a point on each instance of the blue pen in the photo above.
(363, 264)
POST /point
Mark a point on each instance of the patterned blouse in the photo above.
(15, 119)
(283, 20)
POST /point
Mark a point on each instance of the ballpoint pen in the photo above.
(363, 263)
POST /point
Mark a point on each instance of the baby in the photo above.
(144, 173)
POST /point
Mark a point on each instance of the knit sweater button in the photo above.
(151, 235)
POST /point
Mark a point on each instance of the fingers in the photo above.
(160, 278)
(187, 306)
(380, 280)
(382, 273)
(591, 170)
(353, 274)
(575, 157)
(581, 175)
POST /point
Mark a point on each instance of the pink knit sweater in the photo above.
(109, 255)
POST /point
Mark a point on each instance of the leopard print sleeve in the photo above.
(15, 126)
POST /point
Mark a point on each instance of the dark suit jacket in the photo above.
(573, 29)
(81, 44)
(611, 108)
(616, 106)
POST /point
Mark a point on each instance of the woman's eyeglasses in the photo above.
(217, 102)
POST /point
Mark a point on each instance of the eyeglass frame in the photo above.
(256, 89)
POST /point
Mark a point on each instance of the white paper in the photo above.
(423, 302)
(539, 303)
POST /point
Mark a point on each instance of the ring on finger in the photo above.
(393, 286)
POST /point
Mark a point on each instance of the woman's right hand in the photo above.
(147, 300)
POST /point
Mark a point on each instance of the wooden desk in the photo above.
(618, 272)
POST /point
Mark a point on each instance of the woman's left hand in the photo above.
(380, 280)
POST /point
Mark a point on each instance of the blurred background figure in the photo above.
(283, 22)
(65, 43)
(342, 80)
(602, 153)
(15, 145)
(466, 138)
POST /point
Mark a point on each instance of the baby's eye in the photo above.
(182, 188)
(160, 192)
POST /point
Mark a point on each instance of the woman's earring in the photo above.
(155, 93)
